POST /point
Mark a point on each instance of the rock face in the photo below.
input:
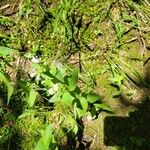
(93, 137)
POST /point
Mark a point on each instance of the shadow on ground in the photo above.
(133, 132)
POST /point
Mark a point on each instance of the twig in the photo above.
(4, 7)
(147, 2)
(131, 40)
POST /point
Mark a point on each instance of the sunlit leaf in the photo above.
(92, 97)
(75, 129)
(47, 136)
(56, 73)
(67, 98)
(55, 98)
(4, 51)
(103, 106)
(82, 105)
(59, 75)
(10, 89)
(32, 97)
(46, 139)
(72, 80)
(40, 145)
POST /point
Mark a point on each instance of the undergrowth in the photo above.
(62, 60)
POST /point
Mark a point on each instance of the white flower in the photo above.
(35, 60)
(57, 64)
(53, 89)
(50, 91)
(38, 78)
(32, 73)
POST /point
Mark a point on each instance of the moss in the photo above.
(105, 33)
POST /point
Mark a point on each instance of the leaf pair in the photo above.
(83, 102)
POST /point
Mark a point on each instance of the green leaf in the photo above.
(6, 79)
(55, 98)
(82, 106)
(3, 36)
(74, 1)
(32, 97)
(46, 139)
(103, 106)
(72, 80)
(56, 73)
(71, 122)
(117, 80)
(40, 145)
(67, 98)
(47, 136)
(92, 97)
(10, 89)
(59, 76)
(4, 51)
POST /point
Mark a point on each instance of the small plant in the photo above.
(102, 46)
(61, 85)
(58, 86)
(117, 76)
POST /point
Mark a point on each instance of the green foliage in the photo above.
(82, 106)
(67, 98)
(44, 89)
(103, 106)
(6, 21)
(28, 89)
(6, 79)
(63, 88)
(63, 19)
(117, 75)
(92, 97)
(72, 80)
(4, 51)
(5, 134)
(32, 97)
(25, 8)
(132, 19)
(46, 141)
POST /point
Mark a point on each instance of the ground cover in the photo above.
(75, 74)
